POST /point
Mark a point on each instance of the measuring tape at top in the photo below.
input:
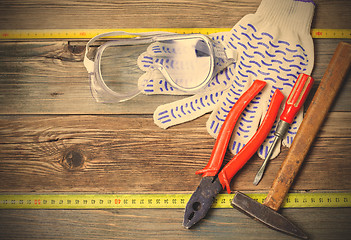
(90, 33)
(108, 201)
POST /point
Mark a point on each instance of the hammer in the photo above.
(315, 115)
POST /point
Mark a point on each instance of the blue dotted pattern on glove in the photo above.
(158, 54)
(261, 57)
(194, 106)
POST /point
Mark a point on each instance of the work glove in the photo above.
(186, 61)
(203, 101)
(273, 45)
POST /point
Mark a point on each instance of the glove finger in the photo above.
(229, 97)
(285, 87)
(288, 139)
(170, 48)
(195, 106)
(176, 54)
(218, 116)
(246, 126)
(153, 82)
(175, 60)
(186, 109)
(219, 37)
(263, 150)
(182, 69)
(166, 54)
(145, 62)
(250, 120)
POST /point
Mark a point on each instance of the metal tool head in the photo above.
(266, 215)
(201, 200)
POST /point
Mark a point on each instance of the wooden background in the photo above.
(54, 138)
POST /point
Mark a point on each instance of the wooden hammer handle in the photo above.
(315, 115)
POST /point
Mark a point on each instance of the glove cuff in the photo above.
(291, 14)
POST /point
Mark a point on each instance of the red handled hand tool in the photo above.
(293, 104)
(213, 182)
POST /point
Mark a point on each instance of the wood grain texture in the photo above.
(321, 224)
(55, 138)
(130, 154)
(145, 13)
(49, 78)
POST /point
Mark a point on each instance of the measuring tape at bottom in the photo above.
(109, 201)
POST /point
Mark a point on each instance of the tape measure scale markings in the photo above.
(109, 201)
(93, 201)
(90, 33)
(331, 33)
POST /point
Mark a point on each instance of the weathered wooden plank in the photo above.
(49, 77)
(329, 223)
(130, 154)
(51, 14)
(83, 153)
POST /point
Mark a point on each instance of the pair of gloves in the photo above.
(274, 45)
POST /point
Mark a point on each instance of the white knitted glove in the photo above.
(153, 82)
(273, 45)
(189, 60)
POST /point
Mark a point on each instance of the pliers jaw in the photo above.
(213, 182)
(201, 200)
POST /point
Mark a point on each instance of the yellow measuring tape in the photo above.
(90, 33)
(108, 201)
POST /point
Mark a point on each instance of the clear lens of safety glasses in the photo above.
(188, 62)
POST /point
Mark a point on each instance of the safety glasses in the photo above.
(187, 61)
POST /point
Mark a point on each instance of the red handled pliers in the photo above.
(213, 182)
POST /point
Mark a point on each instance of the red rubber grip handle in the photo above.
(239, 160)
(297, 97)
(220, 148)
